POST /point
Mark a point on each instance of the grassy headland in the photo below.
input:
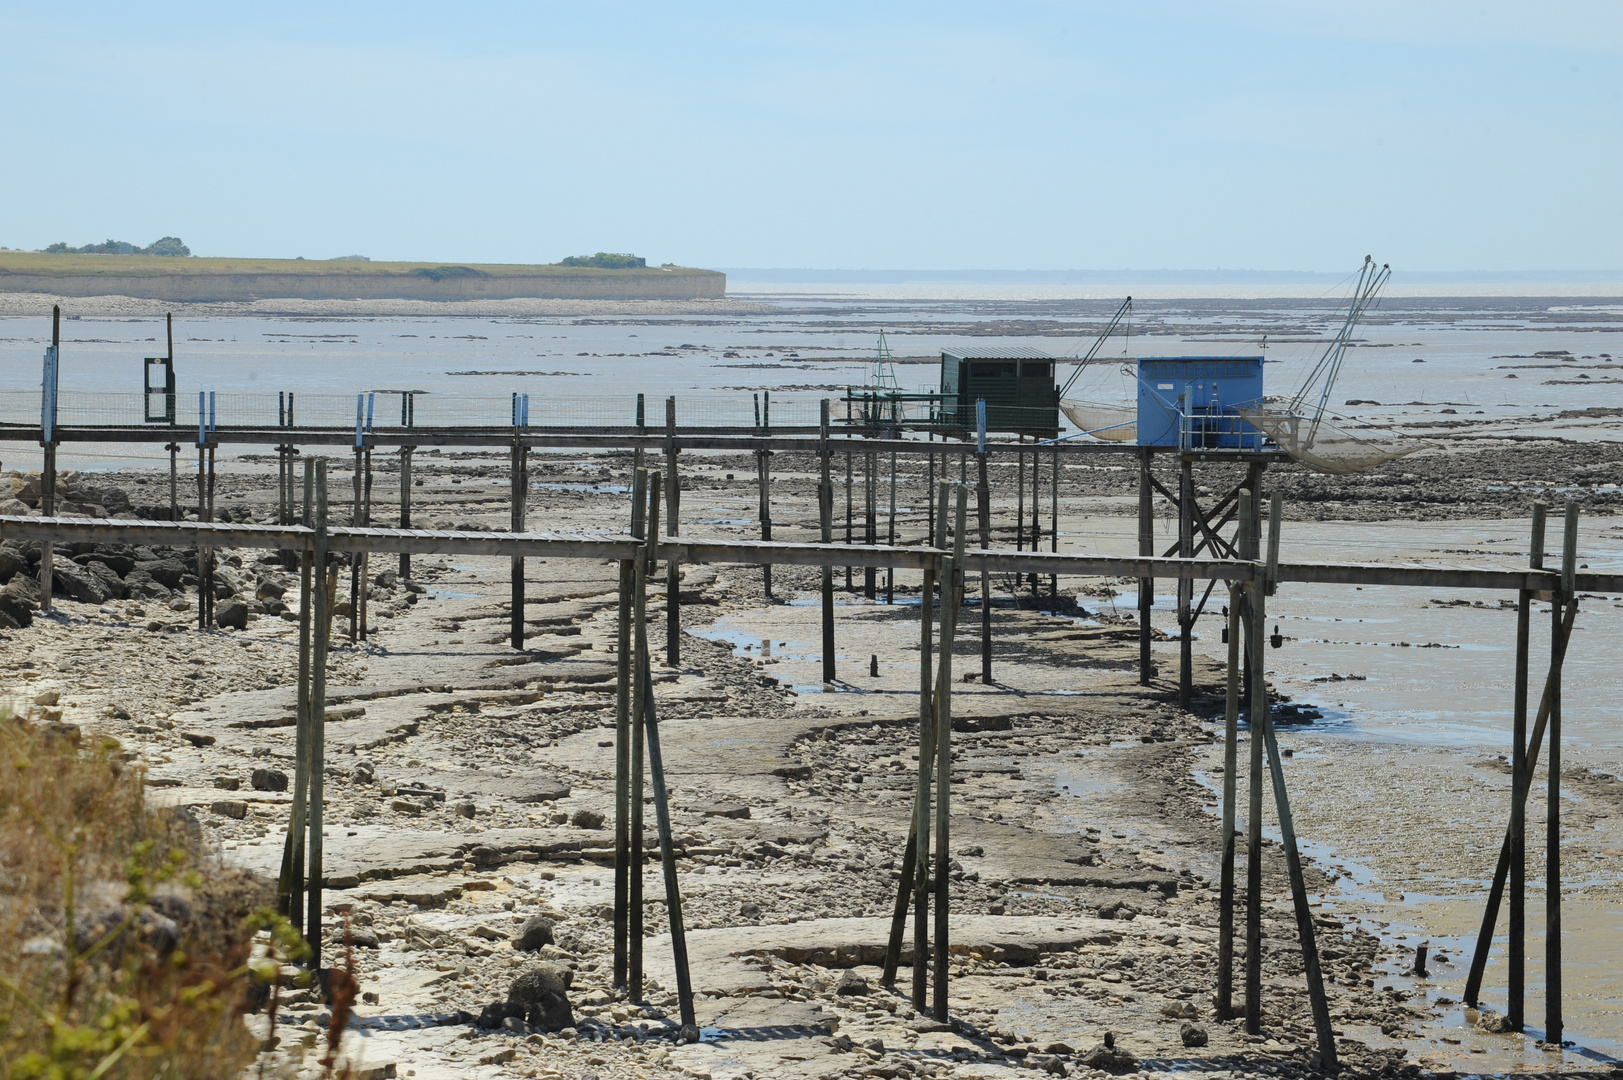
(205, 279)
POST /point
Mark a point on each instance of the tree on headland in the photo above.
(605, 260)
(168, 245)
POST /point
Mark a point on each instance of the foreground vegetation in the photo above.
(126, 951)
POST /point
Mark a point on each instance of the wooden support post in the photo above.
(649, 527)
(355, 556)
(1253, 484)
(520, 475)
(904, 897)
(673, 518)
(848, 576)
(1554, 1025)
(983, 508)
(931, 540)
(1520, 781)
(1231, 738)
(624, 674)
(890, 534)
(870, 522)
(366, 519)
(291, 890)
(202, 553)
(952, 579)
(763, 472)
(1186, 586)
(1036, 509)
(322, 632)
(1053, 530)
(1020, 500)
(405, 506)
(1253, 825)
(667, 853)
(47, 504)
(825, 521)
(921, 799)
(1146, 546)
(174, 481)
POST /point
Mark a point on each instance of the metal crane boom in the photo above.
(1126, 307)
(1324, 373)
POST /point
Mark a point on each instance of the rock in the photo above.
(466, 809)
(74, 582)
(1192, 1035)
(587, 819)
(492, 1015)
(851, 985)
(16, 604)
(405, 806)
(269, 590)
(1118, 909)
(749, 909)
(489, 933)
(107, 577)
(1110, 1059)
(231, 808)
(197, 738)
(233, 614)
(12, 562)
(386, 579)
(1179, 1010)
(537, 933)
(269, 780)
(139, 585)
(14, 508)
(1062, 1049)
(170, 573)
(1492, 1022)
(543, 993)
(48, 697)
(724, 809)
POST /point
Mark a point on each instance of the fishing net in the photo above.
(1329, 444)
(1112, 423)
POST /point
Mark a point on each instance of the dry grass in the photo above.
(125, 951)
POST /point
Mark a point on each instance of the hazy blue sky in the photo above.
(1470, 136)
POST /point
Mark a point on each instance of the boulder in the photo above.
(852, 985)
(269, 590)
(170, 573)
(269, 780)
(587, 819)
(15, 508)
(74, 582)
(116, 561)
(1193, 1035)
(494, 1014)
(543, 993)
(23, 589)
(233, 614)
(140, 585)
(15, 608)
(536, 934)
(107, 576)
(12, 561)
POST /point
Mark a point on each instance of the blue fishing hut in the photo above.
(1191, 402)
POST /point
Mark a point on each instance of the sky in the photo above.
(1016, 135)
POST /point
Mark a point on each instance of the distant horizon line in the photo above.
(812, 275)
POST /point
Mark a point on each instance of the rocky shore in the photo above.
(469, 851)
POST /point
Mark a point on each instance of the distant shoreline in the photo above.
(205, 280)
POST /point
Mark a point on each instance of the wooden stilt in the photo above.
(291, 893)
(1186, 586)
(848, 536)
(366, 519)
(47, 503)
(405, 506)
(1146, 546)
(519, 471)
(355, 556)
(763, 472)
(1053, 530)
(1554, 1024)
(1253, 826)
(649, 525)
(673, 519)
(904, 897)
(174, 481)
(952, 577)
(983, 508)
(890, 534)
(921, 799)
(825, 521)
(1520, 780)
(318, 716)
(1036, 509)
(1231, 738)
(667, 854)
(625, 672)
(870, 522)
